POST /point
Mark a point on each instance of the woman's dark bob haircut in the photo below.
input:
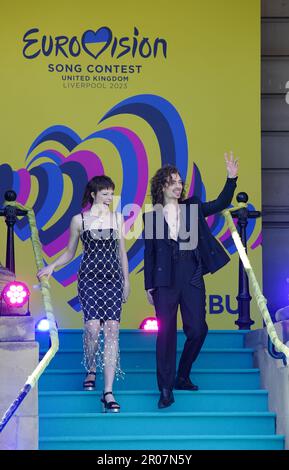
(98, 183)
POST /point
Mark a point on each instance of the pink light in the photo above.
(149, 324)
(15, 294)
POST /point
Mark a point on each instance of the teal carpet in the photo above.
(230, 411)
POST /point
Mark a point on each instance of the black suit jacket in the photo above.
(158, 252)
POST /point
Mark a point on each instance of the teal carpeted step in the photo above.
(207, 379)
(155, 442)
(228, 412)
(100, 424)
(72, 339)
(139, 358)
(144, 400)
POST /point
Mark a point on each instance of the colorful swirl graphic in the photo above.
(81, 165)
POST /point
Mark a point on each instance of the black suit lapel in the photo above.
(185, 221)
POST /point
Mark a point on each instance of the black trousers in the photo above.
(192, 302)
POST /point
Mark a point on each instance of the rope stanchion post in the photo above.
(244, 321)
(258, 295)
(10, 212)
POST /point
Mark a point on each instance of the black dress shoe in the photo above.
(166, 398)
(185, 384)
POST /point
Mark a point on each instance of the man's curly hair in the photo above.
(159, 180)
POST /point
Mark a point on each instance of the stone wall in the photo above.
(274, 375)
(18, 359)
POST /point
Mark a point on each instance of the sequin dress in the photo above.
(100, 292)
(100, 277)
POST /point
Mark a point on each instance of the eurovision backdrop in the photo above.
(121, 88)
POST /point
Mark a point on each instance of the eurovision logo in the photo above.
(94, 43)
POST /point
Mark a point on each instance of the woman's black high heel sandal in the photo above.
(111, 406)
(89, 384)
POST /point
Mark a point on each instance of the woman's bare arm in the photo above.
(69, 253)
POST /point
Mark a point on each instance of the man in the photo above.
(174, 266)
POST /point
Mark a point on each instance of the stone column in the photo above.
(274, 375)
(18, 359)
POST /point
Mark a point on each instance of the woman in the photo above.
(103, 282)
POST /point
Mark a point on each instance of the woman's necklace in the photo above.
(99, 213)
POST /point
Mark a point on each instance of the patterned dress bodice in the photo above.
(100, 258)
(100, 275)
